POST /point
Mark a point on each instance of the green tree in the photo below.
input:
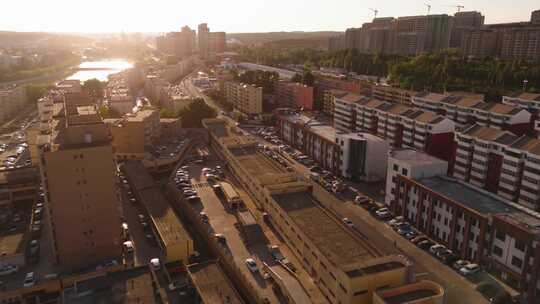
(35, 92)
(192, 115)
(94, 87)
(296, 78)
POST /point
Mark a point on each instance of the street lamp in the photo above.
(525, 81)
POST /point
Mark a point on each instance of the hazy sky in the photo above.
(232, 15)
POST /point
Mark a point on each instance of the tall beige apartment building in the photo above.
(245, 98)
(133, 133)
(78, 175)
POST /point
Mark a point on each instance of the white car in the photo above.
(436, 248)
(155, 264)
(348, 222)
(252, 265)
(29, 280)
(469, 269)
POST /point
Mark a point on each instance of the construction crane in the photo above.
(428, 8)
(375, 12)
(459, 7)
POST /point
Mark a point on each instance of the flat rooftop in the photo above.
(410, 296)
(217, 127)
(257, 163)
(415, 157)
(212, 284)
(130, 286)
(480, 201)
(337, 244)
(411, 293)
(140, 115)
(167, 224)
(11, 244)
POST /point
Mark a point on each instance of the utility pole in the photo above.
(375, 12)
(428, 8)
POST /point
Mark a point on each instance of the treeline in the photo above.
(264, 79)
(447, 70)
(191, 115)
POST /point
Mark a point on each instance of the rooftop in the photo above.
(212, 284)
(480, 201)
(350, 98)
(415, 157)
(258, 164)
(498, 108)
(11, 244)
(129, 286)
(529, 144)
(411, 293)
(337, 244)
(165, 220)
(490, 134)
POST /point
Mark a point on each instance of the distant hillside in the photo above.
(21, 39)
(315, 39)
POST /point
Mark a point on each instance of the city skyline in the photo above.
(316, 15)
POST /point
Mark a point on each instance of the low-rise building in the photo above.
(18, 185)
(392, 94)
(362, 156)
(328, 100)
(245, 98)
(346, 268)
(175, 242)
(294, 95)
(344, 112)
(524, 100)
(476, 225)
(412, 164)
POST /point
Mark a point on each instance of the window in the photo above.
(517, 262)
(497, 251)
(520, 245)
(404, 171)
(396, 168)
(500, 235)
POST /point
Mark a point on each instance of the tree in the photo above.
(35, 92)
(192, 115)
(296, 78)
(94, 87)
(308, 78)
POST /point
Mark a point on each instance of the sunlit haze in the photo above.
(231, 15)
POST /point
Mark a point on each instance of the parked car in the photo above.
(469, 269)
(460, 264)
(383, 216)
(425, 245)
(155, 264)
(419, 239)
(396, 220)
(348, 222)
(252, 265)
(436, 249)
(8, 269)
(360, 199)
(220, 238)
(30, 279)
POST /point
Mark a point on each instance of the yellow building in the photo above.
(174, 240)
(78, 175)
(346, 268)
(422, 292)
(134, 133)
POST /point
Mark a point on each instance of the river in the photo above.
(100, 69)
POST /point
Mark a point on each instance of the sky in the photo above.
(232, 16)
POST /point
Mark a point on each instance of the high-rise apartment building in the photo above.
(78, 174)
(463, 22)
(210, 42)
(179, 44)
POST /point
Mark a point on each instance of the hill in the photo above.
(27, 39)
(283, 38)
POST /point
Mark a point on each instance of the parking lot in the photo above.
(223, 229)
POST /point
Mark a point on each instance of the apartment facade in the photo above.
(500, 162)
(392, 94)
(246, 98)
(134, 134)
(78, 175)
(476, 225)
(12, 100)
(328, 100)
(344, 112)
(405, 126)
(362, 156)
(524, 100)
(467, 109)
(294, 95)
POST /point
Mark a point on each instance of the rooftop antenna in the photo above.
(375, 12)
(428, 8)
